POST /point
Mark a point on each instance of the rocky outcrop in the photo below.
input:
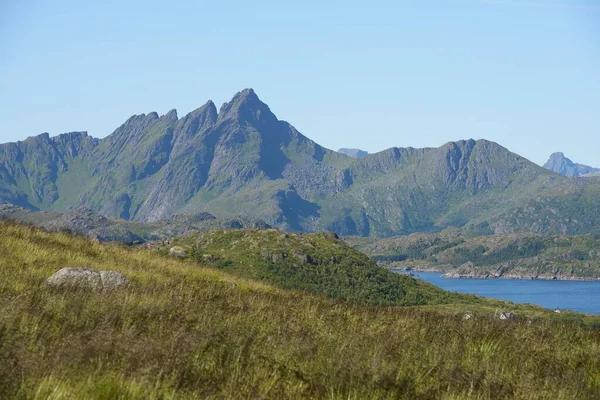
(80, 221)
(178, 252)
(86, 278)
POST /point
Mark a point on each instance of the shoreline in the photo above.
(451, 275)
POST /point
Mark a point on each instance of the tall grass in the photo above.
(185, 331)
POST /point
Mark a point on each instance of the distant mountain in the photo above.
(355, 153)
(242, 160)
(564, 166)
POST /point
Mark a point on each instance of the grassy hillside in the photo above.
(318, 263)
(186, 331)
(523, 255)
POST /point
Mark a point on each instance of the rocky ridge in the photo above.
(242, 160)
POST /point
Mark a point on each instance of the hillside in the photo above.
(519, 256)
(242, 160)
(185, 331)
(318, 263)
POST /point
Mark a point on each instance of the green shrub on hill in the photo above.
(318, 263)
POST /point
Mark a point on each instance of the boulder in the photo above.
(506, 316)
(87, 278)
(178, 252)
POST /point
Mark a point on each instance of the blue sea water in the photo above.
(578, 296)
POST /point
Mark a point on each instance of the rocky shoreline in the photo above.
(489, 275)
(459, 275)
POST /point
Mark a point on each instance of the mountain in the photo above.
(564, 166)
(242, 160)
(355, 153)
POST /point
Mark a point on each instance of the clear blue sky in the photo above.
(368, 74)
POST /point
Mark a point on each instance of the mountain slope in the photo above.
(564, 166)
(242, 160)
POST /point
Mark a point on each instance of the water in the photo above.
(578, 296)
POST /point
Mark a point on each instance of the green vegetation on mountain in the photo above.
(523, 256)
(242, 160)
(182, 330)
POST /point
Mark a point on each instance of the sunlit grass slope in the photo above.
(184, 331)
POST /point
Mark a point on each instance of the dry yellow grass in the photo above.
(184, 331)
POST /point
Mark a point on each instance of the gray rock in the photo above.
(80, 221)
(87, 278)
(506, 316)
(178, 252)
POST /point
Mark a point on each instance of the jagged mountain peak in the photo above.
(142, 117)
(42, 136)
(247, 106)
(171, 115)
(560, 164)
(73, 134)
(238, 99)
(245, 95)
(208, 107)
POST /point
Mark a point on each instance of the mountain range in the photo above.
(242, 160)
(564, 166)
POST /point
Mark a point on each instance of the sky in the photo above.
(365, 74)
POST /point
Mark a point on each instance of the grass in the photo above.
(185, 331)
